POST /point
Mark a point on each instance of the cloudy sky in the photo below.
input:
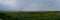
(29, 5)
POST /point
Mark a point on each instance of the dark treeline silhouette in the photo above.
(3, 16)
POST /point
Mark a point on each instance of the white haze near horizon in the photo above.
(29, 5)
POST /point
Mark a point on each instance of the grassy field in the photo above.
(37, 15)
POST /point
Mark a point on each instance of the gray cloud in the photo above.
(30, 5)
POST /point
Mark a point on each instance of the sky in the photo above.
(30, 5)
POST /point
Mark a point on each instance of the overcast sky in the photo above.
(29, 5)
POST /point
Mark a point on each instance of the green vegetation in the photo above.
(34, 15)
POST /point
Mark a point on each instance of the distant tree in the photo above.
(3, 16)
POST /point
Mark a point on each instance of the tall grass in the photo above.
(30, 15)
